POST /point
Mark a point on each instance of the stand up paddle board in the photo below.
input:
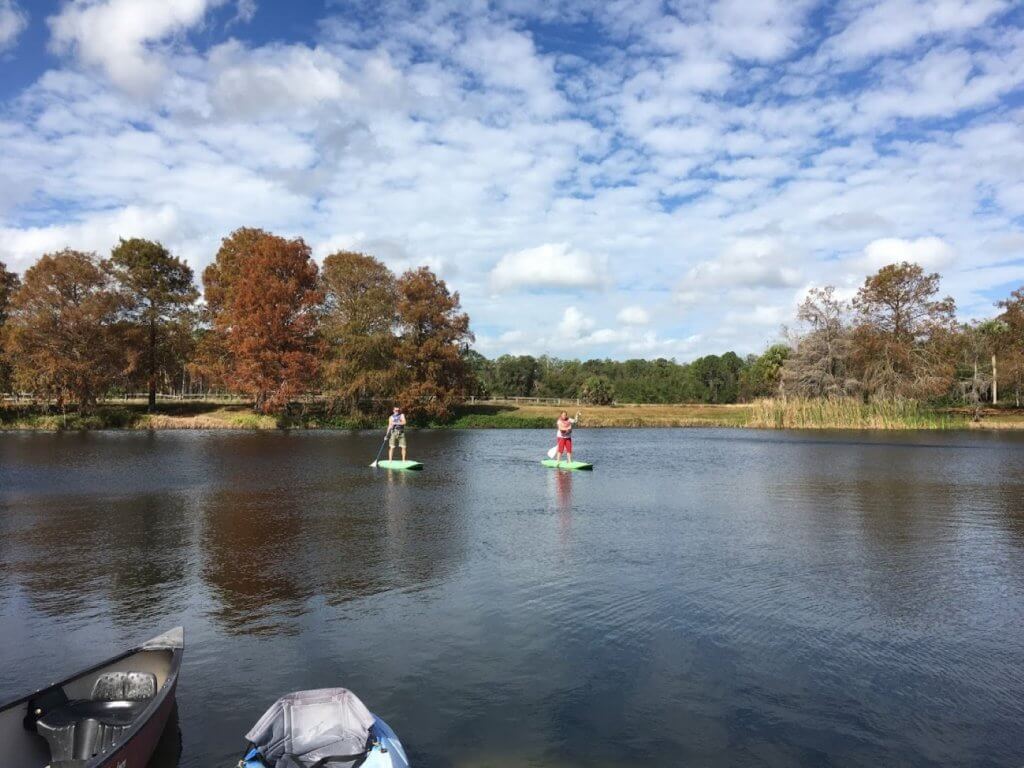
(385, 464)
(566, 464)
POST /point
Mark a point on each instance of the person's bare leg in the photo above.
(403, 451)
(391, 451)
(569, 454)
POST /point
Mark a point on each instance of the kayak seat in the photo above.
(83, 728)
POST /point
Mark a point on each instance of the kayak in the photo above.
(330, 726)
(387, 464)
(107, 716)
(566, 464)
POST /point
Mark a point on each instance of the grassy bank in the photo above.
(192, 415)
(851, 414)
(543, 416)
(766, 414)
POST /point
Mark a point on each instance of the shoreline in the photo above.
(762, 415)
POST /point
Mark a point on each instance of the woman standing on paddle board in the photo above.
(396, 432)
(564, 426)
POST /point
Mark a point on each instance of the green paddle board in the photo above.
(566, 464)
(385, 464)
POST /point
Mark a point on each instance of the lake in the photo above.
(704, 597)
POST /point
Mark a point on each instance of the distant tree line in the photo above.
(895, 339)
(274, 327)
(711, 379)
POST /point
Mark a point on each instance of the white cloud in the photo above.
(19, 248)
(884, 26)
(116, 35)
(634, 316)
(930, 252)
(507, 59)
(574, 324)
(250, 84)
(764, 31)
(749, 262)
(13, 21)
(552, 265)
(245, 11)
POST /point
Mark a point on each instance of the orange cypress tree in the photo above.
(61, 333)
(264, 299)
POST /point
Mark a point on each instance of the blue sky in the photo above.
(626, 178)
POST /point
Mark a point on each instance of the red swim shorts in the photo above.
(564, 445)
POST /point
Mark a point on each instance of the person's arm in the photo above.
(402, 422)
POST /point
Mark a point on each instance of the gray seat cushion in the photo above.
(124, 686)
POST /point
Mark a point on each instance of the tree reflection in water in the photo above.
(70, 556)
(266, 554)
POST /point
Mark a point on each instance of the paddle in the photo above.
(381, 449)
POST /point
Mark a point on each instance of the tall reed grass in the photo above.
(850, 413)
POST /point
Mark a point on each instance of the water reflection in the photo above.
(253, 560)
(267, 552)
(129, 552)
(561, 484)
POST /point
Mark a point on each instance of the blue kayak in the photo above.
(329, 727)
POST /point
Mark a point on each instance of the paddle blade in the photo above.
(552, 451)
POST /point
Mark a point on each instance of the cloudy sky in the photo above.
(625, 178)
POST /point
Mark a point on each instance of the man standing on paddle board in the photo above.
(396, 432)
(564, 426)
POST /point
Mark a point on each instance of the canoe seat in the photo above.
(83, 728)
(124, 686)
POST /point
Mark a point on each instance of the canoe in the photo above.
(387, 464)
(566, 464)
(108, 716)
(329, 726)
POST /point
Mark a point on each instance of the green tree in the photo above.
(61, 333)
(762, 376)
(9, 284)
(717, 378)
(516, 376)
(360, 315)
(159, 292)
(434, 336)
(482, 372)
(597, 390)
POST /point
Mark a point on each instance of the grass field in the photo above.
(766, 414)
(543, 416)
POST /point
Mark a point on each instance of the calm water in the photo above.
(704, 598)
